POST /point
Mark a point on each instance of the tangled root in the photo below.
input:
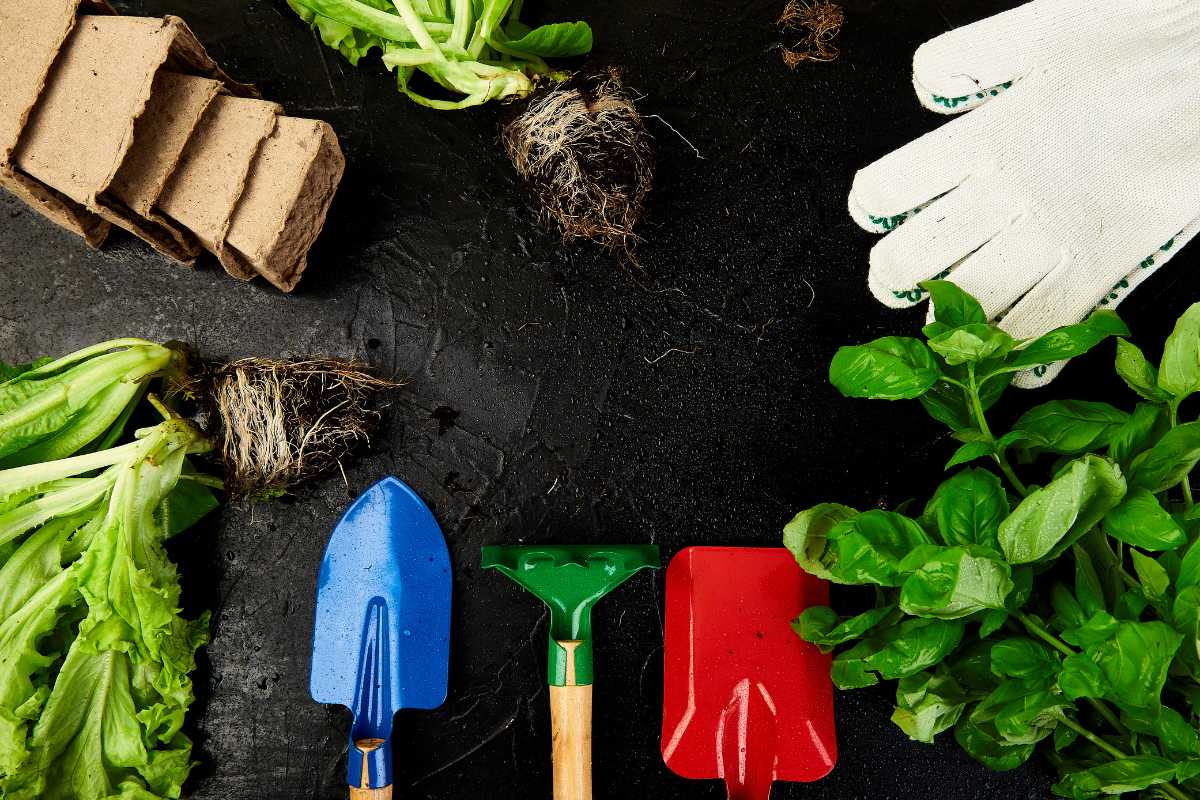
(282, 422)
(583, 151)
(820, 22)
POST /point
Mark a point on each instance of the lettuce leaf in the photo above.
(95, 659)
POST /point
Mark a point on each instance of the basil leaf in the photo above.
(849, 669)
(935, 329)
(972, 343)
(805, 536)
(956, 583)
(992, 621)
(1133, 663)
(1185, 617)
(1116, 777)
(968, 508)
(927, 704)
(1081, 677)
(899, 651)
(1064, 737)
(870, 546)
(1169, 461)
(560, 40)
(1107, 564)
(1052, 518)
(1018, 657)
(1189, 568)
(987, 750)
(1021, 712)
(1178, 738)
(952, 306)
(1179, 371)
(914, 645)
(1070, 341)
(1138, 373)
(1098, 628)
(1145, 427)
(891, 368)
(821, 625)
(1140, 520)
(969, 452)
(1070, 427)
(1087, 584)
(946, 404)
(973, 668)
(1068, 613)
(1154, 579)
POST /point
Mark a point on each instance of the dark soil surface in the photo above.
(555, 395)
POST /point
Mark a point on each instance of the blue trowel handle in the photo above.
(369, 769)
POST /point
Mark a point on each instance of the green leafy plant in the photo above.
(478, 49)
(1060, 615)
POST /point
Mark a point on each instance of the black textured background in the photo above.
(568, 421)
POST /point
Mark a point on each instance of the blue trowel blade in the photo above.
(382, 636)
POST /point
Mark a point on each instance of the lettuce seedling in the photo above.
(1060, 615)
(95, 664)
(477, 49)
(51, 409)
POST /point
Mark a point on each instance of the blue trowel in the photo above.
(382, 636)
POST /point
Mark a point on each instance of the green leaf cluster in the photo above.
(94, 656)
(51, 409)
(1047, 597)
(476, 49)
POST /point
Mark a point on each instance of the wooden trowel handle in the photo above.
(371, 794)
(571, 722)
(363, 790)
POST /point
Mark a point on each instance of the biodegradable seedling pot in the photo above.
(283, 208)
(31, 36)
(82, 129)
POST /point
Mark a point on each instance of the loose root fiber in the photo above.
(820, 22)
(583, 151)
(284, 421)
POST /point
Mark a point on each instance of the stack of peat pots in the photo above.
(112, 120)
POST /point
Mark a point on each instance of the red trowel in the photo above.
(745, 700)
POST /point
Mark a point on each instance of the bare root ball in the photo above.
(583, 151)
(285, 421)
(820, 22)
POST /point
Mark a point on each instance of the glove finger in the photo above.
(965, 67)
(939, 103)
(1033, 378)
(877, 224)
(934, 241)
(917, 173)
(1002, 271)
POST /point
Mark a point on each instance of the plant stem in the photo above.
(1167, 788)
(1043, 634)
(1173, 408)
(1058, 644)
(972, 392)
(1091, 737)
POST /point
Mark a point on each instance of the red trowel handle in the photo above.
(747, 738)
(571, 726)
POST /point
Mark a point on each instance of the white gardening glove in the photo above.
(1074, 177)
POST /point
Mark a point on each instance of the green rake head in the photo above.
(569, 579)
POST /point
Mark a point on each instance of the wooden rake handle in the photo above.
(571, 725)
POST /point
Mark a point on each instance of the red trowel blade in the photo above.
(744, 698)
